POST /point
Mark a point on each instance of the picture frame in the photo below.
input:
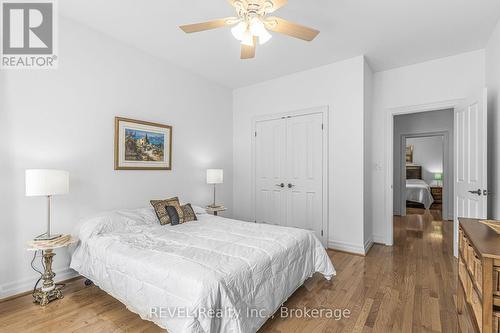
(409, 154)
(142, 145)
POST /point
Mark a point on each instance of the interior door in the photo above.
(270, 163)
(304, 172)
(471, 160)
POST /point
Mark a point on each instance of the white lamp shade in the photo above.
(215, 176)
(239, 29)
(42, 182)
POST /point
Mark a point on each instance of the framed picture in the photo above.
(141, 145)
(409, 154)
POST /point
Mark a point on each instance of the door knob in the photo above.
(290, 185)
(281, 185)
(478, 192)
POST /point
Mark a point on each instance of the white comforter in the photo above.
(174, 275)
(418, 190)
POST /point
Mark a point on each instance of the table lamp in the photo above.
(438, 177)
(215, 176)
(43, 182)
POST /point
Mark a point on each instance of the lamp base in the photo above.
(46, 237)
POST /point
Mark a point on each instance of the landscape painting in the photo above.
(141, 145)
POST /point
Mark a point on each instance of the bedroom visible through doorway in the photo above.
(423, 164)
(423, 174)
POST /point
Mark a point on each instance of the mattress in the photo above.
(419, 191)
(210, 275)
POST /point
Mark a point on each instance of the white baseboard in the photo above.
(368, 245)
(346, 247)
(17, 287)
(378, 239)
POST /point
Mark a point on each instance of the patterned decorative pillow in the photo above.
(188, 212)
(173, 215)
(161, 211)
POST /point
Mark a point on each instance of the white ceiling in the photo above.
(391, 33)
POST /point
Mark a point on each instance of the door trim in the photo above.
(446, 168)
(325, 111)
(389, 155)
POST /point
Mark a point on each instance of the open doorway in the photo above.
(426, 182)
(423, 168)
(468, 159)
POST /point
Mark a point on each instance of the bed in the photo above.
(175, 275)
(417, 190)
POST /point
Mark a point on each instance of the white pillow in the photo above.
(113, 221)
(199, 210)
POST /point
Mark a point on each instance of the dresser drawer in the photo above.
(470, 258)
(478, 273)
(462, 241)
(463, 276)
(477, 307)
(464, 279)
(496, 322)
(496, 281)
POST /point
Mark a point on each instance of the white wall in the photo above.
(418, 123)
(493, 84)
(367, 185)
(340, 86)
(428, 153)
(64, 119)
(429, 82)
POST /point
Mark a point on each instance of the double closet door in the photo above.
(289, 172)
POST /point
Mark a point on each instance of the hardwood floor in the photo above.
(406, 288)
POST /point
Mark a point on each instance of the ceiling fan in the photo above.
(252, 23)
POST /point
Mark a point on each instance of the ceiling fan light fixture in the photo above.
(264, 37)
(247, 38)
(239, 30)
(258, 29)
(256, 26)
(252, 22)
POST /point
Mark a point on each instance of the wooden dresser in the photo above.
(478, 294)
(437, 194)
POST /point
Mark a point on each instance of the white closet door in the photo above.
(270, 162)
(304, 172)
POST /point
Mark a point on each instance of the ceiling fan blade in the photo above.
(248, 52)
(197, 27)
(282, 26)
(277, 4)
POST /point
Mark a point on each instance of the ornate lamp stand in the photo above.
(49, 291)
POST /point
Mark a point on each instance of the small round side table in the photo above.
(215, 210)
(49, 291)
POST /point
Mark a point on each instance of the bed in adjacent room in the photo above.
(174, 274)
(417, 190)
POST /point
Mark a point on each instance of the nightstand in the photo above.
(437, 194)
(215, 210)
(49, 291)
